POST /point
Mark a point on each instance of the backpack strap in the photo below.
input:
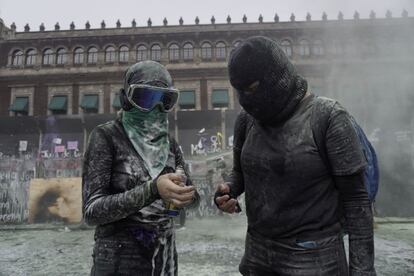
(321, 111)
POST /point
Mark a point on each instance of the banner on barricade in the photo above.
(59, 149)
(72, 145)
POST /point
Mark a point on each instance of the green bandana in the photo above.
(148, 133)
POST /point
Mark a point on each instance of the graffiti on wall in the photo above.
(230, 141)
(207, 144)
(206, 186)
(15, 175)
(59, 167)
(206, 189)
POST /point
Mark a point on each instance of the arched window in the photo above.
(304, 48)
(220, 50)
(188, 51)
(110, 54)
(156, 52)
(61, 56)
(206, 51)
(78, 56)
(318, 49)
(31, 57)
(123, 54)
(174, 52)
(92, 55)
(17, 58)
(142, 53)
(48, 57)
(287, 47)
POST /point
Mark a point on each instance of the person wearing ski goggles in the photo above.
(146, 97)
(129, 179)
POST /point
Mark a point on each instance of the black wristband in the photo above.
(154, 188)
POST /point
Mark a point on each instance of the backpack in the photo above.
(371, 172)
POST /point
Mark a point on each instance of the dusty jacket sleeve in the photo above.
(180, 162)
(240, 132)
(347, 163)
(100, 206)
(358, 223)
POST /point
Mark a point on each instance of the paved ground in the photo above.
(206, 247)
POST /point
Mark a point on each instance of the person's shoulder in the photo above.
(105, 129)
(243, 114)
(324, 102)
(101, 137)
(328, 105)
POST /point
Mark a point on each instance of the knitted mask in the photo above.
(267, 84)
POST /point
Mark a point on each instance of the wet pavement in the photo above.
(212, 246)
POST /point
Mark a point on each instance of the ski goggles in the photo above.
(146, 97)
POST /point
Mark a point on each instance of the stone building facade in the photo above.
(76, 73)
(56, 85)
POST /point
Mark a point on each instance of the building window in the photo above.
(58, 105)
(78, 57)
(142, 53)
(338, 48)
(31, 57)
(110, 54)
(206, 51)
(187, 100)
(188, 51)
(220, 98)
(116, 102)
(123, 54)
(220, 50)
(156, 52)
(304, 49)
(174, 52)
(61, 56)
(318, 49)
(92, 55)
(48, 57)
(90, 103)
(20, 106)
(17, 58)
(287, 47)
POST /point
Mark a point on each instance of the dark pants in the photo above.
(122, 254)
(325, 257)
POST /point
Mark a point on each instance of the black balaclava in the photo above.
(144, 72)
(280, 88)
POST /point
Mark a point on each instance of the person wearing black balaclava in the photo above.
(298, 207)
(128, 179)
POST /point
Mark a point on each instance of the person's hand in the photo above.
(223, 200)
(169, 191)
